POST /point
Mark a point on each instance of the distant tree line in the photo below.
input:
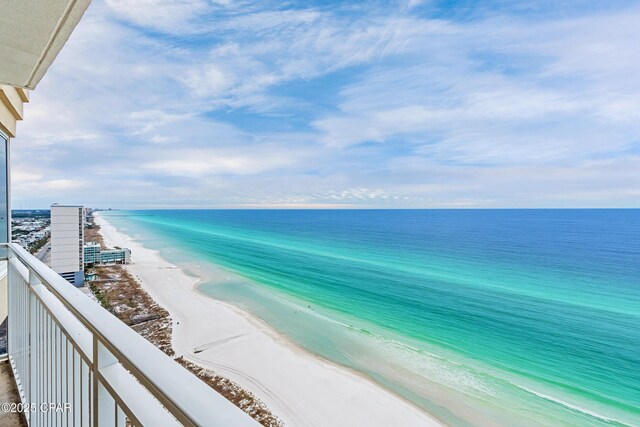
(35, 214)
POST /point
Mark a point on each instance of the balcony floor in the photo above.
(8, 393)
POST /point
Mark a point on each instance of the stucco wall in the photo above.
(11, 108)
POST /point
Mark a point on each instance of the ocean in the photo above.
(480, 317)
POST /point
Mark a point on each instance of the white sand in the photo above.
(298, 387)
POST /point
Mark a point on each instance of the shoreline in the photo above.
(300, 388)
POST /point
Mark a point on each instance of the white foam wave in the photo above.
(574, 407)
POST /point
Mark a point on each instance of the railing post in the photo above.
(10, 315)
(104, 406)
(94, 383)
(34, 350)
(32, 334)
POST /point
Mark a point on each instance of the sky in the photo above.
(329, 104)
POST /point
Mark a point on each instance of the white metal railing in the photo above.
(75, 364)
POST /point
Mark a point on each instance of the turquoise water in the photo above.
(510, 317)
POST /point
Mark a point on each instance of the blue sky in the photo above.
(387, 104)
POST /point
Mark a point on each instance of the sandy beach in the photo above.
(298, 387)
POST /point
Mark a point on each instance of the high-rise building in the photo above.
(67, 242)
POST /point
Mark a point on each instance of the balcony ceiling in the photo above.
(32, 32)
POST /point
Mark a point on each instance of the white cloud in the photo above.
(242, 104)
(264, 21)
(209, 81)
(502, 92)
(294, 45)
(165, 15)
(33, 182)
(211, 162)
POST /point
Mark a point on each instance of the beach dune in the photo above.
(298, 387)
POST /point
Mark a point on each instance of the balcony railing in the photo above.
(76, 364)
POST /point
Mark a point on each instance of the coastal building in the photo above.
(112, 375)
(95, 255)
(67, 242)
(91, 253)
(115, 256)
